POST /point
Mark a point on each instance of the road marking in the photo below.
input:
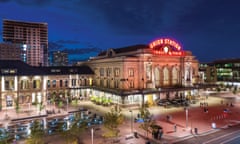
(229, 140)
(220, 137)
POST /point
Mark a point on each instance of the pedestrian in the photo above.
(168, 118)
(160, 133)
(175, 127)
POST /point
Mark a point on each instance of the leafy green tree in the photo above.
(75, 102)
(148, 120)
(60, 105)
(37, 134)
(112, 120)
(73, 134)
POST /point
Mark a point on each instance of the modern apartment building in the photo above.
(32, 37)
(60, 58)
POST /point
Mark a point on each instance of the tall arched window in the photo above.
(157, 77)
(165, 76)
(174, 76)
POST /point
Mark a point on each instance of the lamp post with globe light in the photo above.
(131, 120)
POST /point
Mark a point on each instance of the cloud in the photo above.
(63, 45)
(67, 42)
(52, 46)
(80, 51)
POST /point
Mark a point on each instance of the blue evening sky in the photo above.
(208, 28)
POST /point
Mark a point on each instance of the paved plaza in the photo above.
(193, 121)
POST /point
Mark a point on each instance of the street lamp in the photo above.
(67, 104)
(131, 120)
(92, 130)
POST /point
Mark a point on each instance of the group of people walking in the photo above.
(204, 105)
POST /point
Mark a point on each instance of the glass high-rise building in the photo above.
(32, 38)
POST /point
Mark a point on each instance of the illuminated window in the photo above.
(109, 70)
(80, 82)
(131, 72)
(48, 84)
(101, 71)
(66, 83)
(74, 82)
(116, 72)
(149, 71)
(54, 83)
(24, 84)
(131, 84)
(9, 84)
(36, 84)
(9, 101)
(12, 71)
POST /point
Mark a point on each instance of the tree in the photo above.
(73, 134)
(112, 120)
(17, 106)
(41, 107)
(37, 134)
(60, 105)
(148, 120)
(75, 102)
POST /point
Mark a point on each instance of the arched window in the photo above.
(174, 76)
(157, 77)
(165, 76)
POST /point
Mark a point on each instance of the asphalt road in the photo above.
(229, 135)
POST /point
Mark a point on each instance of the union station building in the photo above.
(128, 76)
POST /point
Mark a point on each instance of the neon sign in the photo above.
(165, 46)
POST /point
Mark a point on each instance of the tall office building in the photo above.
(60, 58)
(32, 38)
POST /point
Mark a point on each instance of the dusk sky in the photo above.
(208, 28)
